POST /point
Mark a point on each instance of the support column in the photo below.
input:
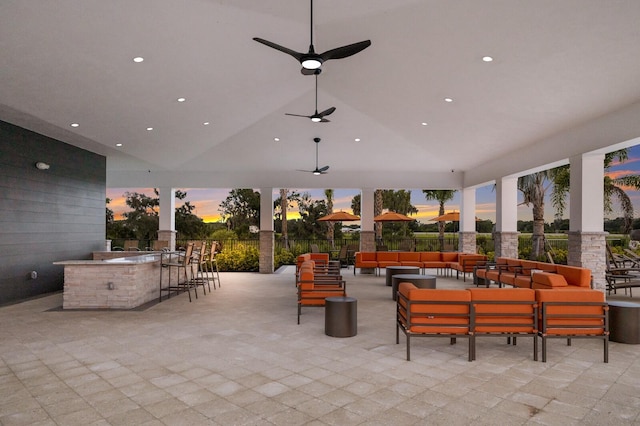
(587, 243)
(467, 234)
(266, 231)
(506, 234)
(367, 234)
(167, 219)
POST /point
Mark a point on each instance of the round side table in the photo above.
(341, 316)
(393, 270)
(419, 280)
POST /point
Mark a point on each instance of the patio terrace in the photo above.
(236, 356)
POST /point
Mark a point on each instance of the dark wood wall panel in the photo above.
(46, 215)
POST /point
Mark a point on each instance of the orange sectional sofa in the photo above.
(512, 312)
(529, 274)
(313, 287)
(460, 262)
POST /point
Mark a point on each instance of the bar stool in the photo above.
(213, 265)
(178, 260)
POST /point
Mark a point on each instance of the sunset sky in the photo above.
(207, 200)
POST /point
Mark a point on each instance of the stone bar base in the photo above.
(266, 252)
(506, 244)
(167, 235)
(589, 250)
(467, 242)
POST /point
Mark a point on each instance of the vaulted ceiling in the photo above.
(564, 79)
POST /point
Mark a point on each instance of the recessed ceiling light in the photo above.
(181, 99)
(423, 123)
(357, 139)
(487, 59)
(138, 59)
(149, 128)
(74, 124)
(118, 144)
(276, 139)
(206, 123)
(448, 100)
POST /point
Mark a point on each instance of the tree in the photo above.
(355, 204)
(378, 205)
(613, 188)
(142, 220)
(534, 188)
(328, 193)
(441, 196)
(241, 209)
(310, 211)
(109, 213)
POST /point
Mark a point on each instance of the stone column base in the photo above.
(506, 244)
(367, 241)
(168, 235)
(266, 251)
(589, 250)
(467, 242)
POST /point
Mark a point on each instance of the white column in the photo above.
(467, 234)
(367, 234)
(468, 210)
(586, 210)
(167, 216)
(587, 239)
(266, 209)
(507, 204)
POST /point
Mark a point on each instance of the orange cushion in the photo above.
(409, 256)
(509, 316)
(368, 256)
(548, 280)
(430, 256)
(449, 256)
(580, 277)
(387, 256)
(577, 295)
(546, 267)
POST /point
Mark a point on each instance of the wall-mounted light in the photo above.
(42, 166)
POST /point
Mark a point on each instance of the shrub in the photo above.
(283, 257)
(239, 259)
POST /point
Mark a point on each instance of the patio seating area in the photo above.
(239, 357)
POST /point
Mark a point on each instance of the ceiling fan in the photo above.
(317, 117)
(312, 61)
(318, 170)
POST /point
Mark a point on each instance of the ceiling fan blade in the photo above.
(324, 120)
(327, 111)
(298, 115)
(345, 51)
(323, 169)
(283, 49)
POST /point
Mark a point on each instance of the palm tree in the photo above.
(377, 210)
(328, 193)
(534, 188)
(284, 202)
(442, 196)
(613, 187)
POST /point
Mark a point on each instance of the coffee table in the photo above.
(393, 270)
(419, 280)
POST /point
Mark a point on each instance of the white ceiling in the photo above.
(565, 80)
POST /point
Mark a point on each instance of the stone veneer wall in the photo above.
(266, 252)
(367, 241)
(467, 242)
(506, 244)
(86, 286)
(588, 250)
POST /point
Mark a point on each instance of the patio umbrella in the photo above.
(392, 217)
(448, 217)
(339, 217)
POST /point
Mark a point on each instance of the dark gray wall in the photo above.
(46, 215)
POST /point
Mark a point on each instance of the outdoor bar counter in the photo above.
(124, 282)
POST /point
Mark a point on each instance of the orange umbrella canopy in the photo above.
(339, 217)
(392, 217)
(447, 217)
